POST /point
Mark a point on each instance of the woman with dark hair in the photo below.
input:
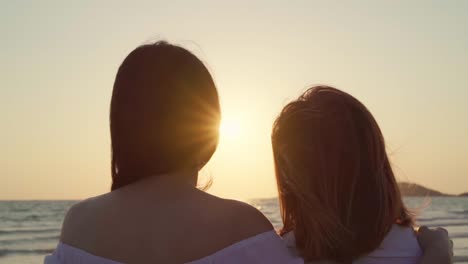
(164, 120)
(338, 195)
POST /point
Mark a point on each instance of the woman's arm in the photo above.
(436, 244)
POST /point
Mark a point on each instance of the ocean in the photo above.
(30, 229)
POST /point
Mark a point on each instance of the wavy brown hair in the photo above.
(337, 190)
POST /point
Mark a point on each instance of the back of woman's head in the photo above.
(336, 187)
(164, 114)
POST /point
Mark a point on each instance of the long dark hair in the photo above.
(337, 190)
(164, 114)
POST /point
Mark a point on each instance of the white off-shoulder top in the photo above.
(264, 248)
(400, 246)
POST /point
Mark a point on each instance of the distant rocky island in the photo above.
(413, 189)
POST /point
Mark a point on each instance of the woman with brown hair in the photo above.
(338, 195)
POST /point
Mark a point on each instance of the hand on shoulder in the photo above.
(436, 244)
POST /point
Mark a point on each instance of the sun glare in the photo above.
(229, 129)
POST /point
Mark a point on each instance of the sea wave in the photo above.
(29, 231)
(5, 252)
(29, 218)
(22, 209)
(462, 212)
(460, 258)
(459, 235)
(10, 241)
(440, 218)
(447, 224)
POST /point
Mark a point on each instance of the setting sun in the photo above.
(230, 128)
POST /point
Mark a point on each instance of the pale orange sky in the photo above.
(407, 61)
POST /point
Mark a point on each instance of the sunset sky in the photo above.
(406, 60)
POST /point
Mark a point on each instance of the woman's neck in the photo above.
(183, 177)
(180, 179)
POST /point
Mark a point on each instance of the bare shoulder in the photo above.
(80, 218)
(225, 222)
(249, 213)
(244, 218)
